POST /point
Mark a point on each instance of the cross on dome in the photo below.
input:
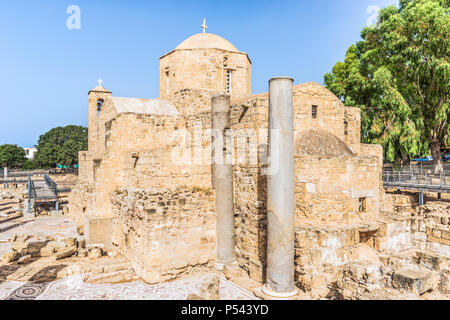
(204, 26)
(100, 81)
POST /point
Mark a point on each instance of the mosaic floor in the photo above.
(74, 288)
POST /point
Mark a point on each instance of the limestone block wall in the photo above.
(321, 253)
(165, 232)
(327, 188)
(154, 169)
(81, 195)
(192, 101)
(393, 236)
(85, 166)
(204, 69)
(158, 205)
(337, 188)
(94, 96)
(428, 226)
(352, 129)
(102, 125)
(80, 199)
(123, 136)
(249, 119)
(330, 114)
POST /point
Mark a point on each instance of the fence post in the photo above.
(421, 203)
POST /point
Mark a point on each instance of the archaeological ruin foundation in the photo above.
(277, 184)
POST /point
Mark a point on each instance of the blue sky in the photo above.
(46, 70)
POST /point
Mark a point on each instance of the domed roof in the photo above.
(318, 142)
(206, 41)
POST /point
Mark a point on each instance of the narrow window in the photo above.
(362, 205)
(314, 112)
(167, 82)
(99, 106)
(228, 83)
(346, 127)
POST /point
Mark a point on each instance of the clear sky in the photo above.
(47, 69)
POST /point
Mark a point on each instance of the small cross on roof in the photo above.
(204, 26)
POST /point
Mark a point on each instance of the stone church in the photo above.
(135, 199)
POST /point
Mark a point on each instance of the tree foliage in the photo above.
(61, 145)
(399, 75)
(11, 156)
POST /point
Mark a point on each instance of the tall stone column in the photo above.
(280, 192)
(222, 178)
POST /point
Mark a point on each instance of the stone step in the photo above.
(9, 217)
(413, 279)
(432, 260)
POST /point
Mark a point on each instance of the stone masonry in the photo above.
(147, 177)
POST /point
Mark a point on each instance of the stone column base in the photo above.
(267, 294)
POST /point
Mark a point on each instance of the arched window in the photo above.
(99, 106)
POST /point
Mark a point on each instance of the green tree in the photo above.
(30, 164)
(399, 75)
(61, 145)
(11, 156)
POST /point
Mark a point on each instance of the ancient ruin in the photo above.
(273, 187)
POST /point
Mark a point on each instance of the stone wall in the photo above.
(204, 69)
(153, 204)
(337, 188)
(332, 186)
(162, 211)
(406, 249)
(80, 199)
(192, 101)
(164, 233)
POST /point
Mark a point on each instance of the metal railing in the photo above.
(416, 167)
(50, 183)
(46, 191)
(21, 173)
(422, 181)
